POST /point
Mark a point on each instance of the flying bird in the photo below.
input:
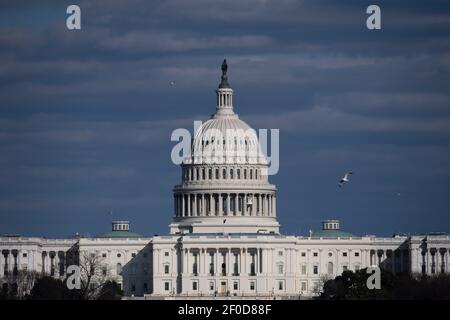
(172, 83)
(345, 179)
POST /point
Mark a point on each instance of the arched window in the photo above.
(251, 174)
(210, 174)
(203, 173)
(119, 269)
(231, 174)
(217, 173)
(330, 268)
(238, 173)
(245, 173)
(256, 174)
(224, 173)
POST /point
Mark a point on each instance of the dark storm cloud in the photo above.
(86, 116)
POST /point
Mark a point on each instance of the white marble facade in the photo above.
(224, 238)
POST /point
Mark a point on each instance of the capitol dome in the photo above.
(225, 138)
(224, 184)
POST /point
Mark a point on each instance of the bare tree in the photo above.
(19, 283)
(318, 288)
(94, 274)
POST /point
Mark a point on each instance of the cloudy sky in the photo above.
(86, 116)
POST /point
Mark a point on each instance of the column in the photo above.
(259, 207)
(212, 204)
(274, 205)
(261, 260)
(229, 269)
(194, 209)
(185, 270)
(245, 204)
(241, 204)
(265, 205)
(183, 204)
(188, 205)
(57, 264)
(203, 205)
(220, 206)
(228, 211)
(204, 268)
(244, 261)
(241, 262)
(216, 263)
(257, 261)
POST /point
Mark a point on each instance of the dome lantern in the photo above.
(224, 93)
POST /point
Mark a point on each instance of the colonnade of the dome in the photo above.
(224, 173)
(204, 204)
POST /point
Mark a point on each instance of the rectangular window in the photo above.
(145, 287)
(357, 267)
(195, 268)
(280, 253)
(356, 254)
(280, 285)
(316, 269)
(194, 285)
(133, 287)
(24, 255)
(166, 269)
(235, 285)
(280, 269)
(344, 268)
(166, 286)
(103, 255)
(303, 269)
(344, 254)
(316, 286)
(303, 286)
(211, 285)
(133, 255)
(303, 254)
(252, 285)
(315, 254)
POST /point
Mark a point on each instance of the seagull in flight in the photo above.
(345, 179)
(172, 83)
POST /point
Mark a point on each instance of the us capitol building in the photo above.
(224, 237)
